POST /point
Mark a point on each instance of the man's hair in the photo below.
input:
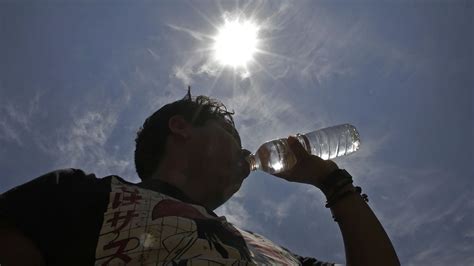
(151, 137)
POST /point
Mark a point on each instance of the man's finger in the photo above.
(297, 148)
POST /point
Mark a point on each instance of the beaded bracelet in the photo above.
(343, 193)
(338, 185)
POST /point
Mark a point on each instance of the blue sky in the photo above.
(78, 78)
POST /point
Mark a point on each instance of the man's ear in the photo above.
(179, 126)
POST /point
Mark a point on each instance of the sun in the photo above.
(236, 43)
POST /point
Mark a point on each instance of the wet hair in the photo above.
(151, 137)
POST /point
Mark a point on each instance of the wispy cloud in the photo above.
(16, 119)
(278, 211)
(436, 254)
(419, 206)
(83, 139)
(8, 133)
(235, 213)
(87, 132)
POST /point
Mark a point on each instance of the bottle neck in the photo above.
(253, 162)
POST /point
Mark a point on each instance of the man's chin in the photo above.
(219, 202)
(229, 192)
(235, 188)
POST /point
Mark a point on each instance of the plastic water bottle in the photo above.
(275, 156)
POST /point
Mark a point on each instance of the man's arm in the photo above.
(16, 248)
(365, 240)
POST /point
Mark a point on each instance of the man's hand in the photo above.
(309, 169)
(365, 240)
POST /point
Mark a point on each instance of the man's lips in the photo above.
(243, 169)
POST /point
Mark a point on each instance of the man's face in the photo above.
(217, 160)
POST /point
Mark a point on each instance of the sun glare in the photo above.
(236, 43)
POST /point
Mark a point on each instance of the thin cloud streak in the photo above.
(16, 120)
(196, 35)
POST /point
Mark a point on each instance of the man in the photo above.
(190, 160)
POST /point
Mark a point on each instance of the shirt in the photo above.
(78, 219)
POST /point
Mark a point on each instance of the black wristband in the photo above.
(336, 180)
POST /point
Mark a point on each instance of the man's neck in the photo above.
(182, 182)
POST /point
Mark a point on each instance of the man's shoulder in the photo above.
(65, 175)
(64, 178)
(70, 175)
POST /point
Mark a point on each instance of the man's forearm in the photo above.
(365, 240)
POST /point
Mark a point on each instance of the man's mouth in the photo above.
(243, 169)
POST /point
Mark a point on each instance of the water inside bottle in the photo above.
(334, 141)
(275, 157)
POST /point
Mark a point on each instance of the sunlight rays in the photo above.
(235, 44)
